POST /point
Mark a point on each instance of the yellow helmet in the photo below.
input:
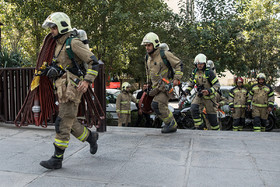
(261, 76)
(151, 38)
(125, 85)
(59, 19)
(200, 59)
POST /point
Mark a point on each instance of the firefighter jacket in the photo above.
(123, 102)
(156, 69)
(238, 97)
(261, 96)
(81, 55)
(66, 87)
(204, 80)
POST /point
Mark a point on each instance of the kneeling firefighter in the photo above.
(71, 82)
(207, 86)
(164, 70)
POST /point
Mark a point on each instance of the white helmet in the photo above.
(200, 59)
(59, 19)
(151, 38)
(261, 76)
(125, 85)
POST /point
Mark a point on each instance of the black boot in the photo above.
(55, 162)
(92, 139)
(170, 127)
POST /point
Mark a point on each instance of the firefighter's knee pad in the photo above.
(57, 124)
(195, 110)
(242, 121)
(155, 107)
(263, 122)
(213, 120)
(236, 122)
(257, 121)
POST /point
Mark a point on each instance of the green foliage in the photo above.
(241, 36)
(115, 28)
(13, 58)
(109, 120)
(261, 35)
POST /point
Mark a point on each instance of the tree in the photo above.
(211, 33)
(115, 28)
(262, 45)
(240, 36)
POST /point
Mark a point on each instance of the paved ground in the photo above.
(142, 157)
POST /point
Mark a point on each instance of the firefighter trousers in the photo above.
(260, 115)
(69, 124)
(238, 119)
(124, 120)
(211, 110)
(160, 107)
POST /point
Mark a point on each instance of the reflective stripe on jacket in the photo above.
(261, 96)
(238, 97)
(123, 102)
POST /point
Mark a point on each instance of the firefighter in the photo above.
(238, 97)
(123, 105)
(261, 97)
(69, 92)
(207, 86)
(221, 101)
(162, 67)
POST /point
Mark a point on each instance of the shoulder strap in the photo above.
(193, 73)
(76, 70)
(207, 73)
(68, 48)
(167, 63)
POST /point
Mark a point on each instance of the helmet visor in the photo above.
(48, 24)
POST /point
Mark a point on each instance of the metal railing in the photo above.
(14, 86)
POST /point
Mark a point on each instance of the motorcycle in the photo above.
(183, 115)
(184, 118)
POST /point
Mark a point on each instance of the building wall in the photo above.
(227, 79)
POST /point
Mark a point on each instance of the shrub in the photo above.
(14, 58)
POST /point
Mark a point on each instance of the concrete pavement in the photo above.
(142, 157)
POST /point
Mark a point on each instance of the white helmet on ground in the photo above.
(151, 38)
(59, 19)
